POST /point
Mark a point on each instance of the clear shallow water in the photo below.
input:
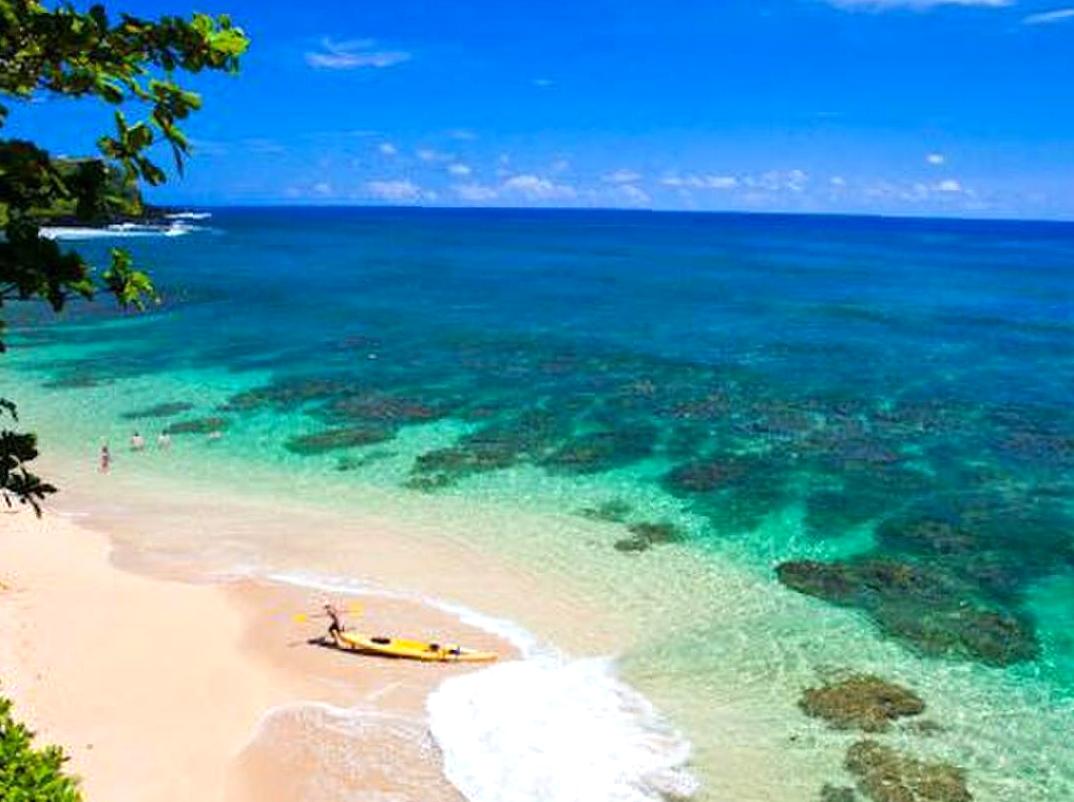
(887, 398)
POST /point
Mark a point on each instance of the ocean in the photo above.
(772, 450)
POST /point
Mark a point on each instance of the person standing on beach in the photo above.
(106, 458)
(335, 624)
(164, 441)
(137, 442)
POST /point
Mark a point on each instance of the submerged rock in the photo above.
(630, 545)
(705, 475)
(198, 426)
(1040, 447)
(353, 463)
(524, 438)
(165, 410)
(613, 510)
(444, 466)
(928, 535)
(602, 451)
(461, 461)
(834, 793)
(998, 542)
(76, 381)
(644, 536)
(382, 408)
(285, 395)
(711, 407)
(335, 439)
(862, 702)
(935, 611)
(862, 581)
(990, 636)
(886, 775)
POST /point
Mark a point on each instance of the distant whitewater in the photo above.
(189, 216)
(173, 229)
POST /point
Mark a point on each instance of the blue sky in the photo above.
(876, 106)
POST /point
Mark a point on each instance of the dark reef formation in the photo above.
(835, 793)
(969, 499)
(886, 775)
(861, 702)
(163, 410)
(643, 536)
(930, 610)
(198, 426)
(336, 439)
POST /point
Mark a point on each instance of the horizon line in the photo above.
(894, 216)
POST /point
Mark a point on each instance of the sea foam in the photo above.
(119, 230)
(555, 730)
(546, 728)
(189, 215)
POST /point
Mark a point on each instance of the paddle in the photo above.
(353, 608)
(320, 641)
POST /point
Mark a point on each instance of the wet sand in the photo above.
(162, 690)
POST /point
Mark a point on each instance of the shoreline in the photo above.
(310, 725)
(739, 712)
(194, 711)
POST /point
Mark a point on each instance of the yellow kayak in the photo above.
(412, 649)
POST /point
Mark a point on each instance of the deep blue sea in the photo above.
(870, 419)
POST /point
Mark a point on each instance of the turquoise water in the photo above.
(806, 443)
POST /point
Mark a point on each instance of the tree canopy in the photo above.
(127, 63)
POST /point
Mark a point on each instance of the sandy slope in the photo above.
(159, 689)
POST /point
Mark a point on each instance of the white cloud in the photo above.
(543, 83)
(632, 195)
(935, 159)
(778, 181)
(621, 176)
(430, 155)
(459, 169)
(388, 149)
(535, 188)
(700, 181)
(354, 54)
(462, 134)
(1050, 17)
(476, 193)
(322, 188)
(560, 166)
(396, 191)
(947, 191)
(837, 181)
